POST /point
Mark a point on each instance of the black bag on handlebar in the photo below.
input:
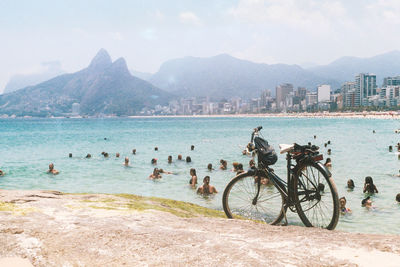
(266, 153)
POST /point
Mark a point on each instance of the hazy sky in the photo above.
(148, 32)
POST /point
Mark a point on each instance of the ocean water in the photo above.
(27, 146)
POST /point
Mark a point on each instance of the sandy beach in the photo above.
(49, 228)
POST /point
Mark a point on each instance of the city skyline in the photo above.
(150, 32)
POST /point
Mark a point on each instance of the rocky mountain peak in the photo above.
(101, 60)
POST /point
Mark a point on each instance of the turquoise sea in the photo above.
(27, 146)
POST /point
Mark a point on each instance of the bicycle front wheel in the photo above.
(240, 200)
(316, 196)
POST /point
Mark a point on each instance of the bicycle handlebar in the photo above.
(256, 130)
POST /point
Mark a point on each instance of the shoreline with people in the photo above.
(130, 231)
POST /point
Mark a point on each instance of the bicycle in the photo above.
(260, 194)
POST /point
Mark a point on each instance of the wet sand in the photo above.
(49, 228)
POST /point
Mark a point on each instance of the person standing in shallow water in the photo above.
(51, 169)
(206, 188)
(170, 159)
(369, 186)
(193, 179)
(126, 163)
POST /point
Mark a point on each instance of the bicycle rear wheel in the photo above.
(316, 196)
(239, 198)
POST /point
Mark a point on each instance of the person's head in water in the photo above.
(169, 159)
(209, 167)
(240, 167)
(390, 148)
(126, 161)
(51, 166)
(329, 151)
(192, 172)
(192, 147)
(342, 202)
(309, 143)
(315, 137)
(134, 151)
(1, 173)
(350, 184)
(252, 164)
(106, 155)
(117, 155)
(206, 180)
(329, 142)
(70, 155)
(153, 161)
(179, 157)
(156, 148)
(234, 165)
(88, 156)
(325, 144)
(188, 159)
(328, 162)
(398, 197)
(103, 153)
(366, 202)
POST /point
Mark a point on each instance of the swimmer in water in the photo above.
(52, 170)
(239, 169)
(366, 202)
(329, 151)
(117, 155)
(134, 151)
(106, 155)
(2, 173)
(188, 159)
(223, 164)
(369, 186)
(179, 157)
(70, 155)
(156, 148)
(235, 165)
(192, 147)
(126, 163)
(169, 159)
(343, 209)
(88, 156)
(193, 179)
(398, 197)
(153, 161)
(155, 174)
(206, 188)
(209, 167)
(328, 163)
(350, 184)
(252, 164)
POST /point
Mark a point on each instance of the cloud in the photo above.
(189, 18)
(116, 36)
(149, 34)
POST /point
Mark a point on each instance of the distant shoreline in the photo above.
(340, 115)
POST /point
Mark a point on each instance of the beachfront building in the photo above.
(391, 81)
(282, 92)
(324, 93)
(365, 85)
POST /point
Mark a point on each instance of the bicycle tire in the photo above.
(309, 193)
(238, 196)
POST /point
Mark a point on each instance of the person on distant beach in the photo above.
(169, 159)
(369, 186)
(209, 167)
(235, 165)
(179, 157)
(88, 156)
(155, 174)
(134, 151)
(328, 163)
(188, 159)
(193, 179)
(126, 163)
(165, 172)
(153, 161)
(398, 197)
(192, 147)
(224, 164)
(70, 155)
(117, 155)
(239, 169)
(366, 202)
(343, 208)
(156, 148)
(350, 184)
(2, 173)
(206, 188)
(52, 170)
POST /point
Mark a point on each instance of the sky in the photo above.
(149, 32)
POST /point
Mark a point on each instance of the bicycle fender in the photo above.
(324, 168)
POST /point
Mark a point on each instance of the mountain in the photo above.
(224, 76)
(345, 68)
(49, 70)
(104, 87)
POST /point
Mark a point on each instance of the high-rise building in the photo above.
(391, 81)
(324, 93)
(365, 86)
(282, 91)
